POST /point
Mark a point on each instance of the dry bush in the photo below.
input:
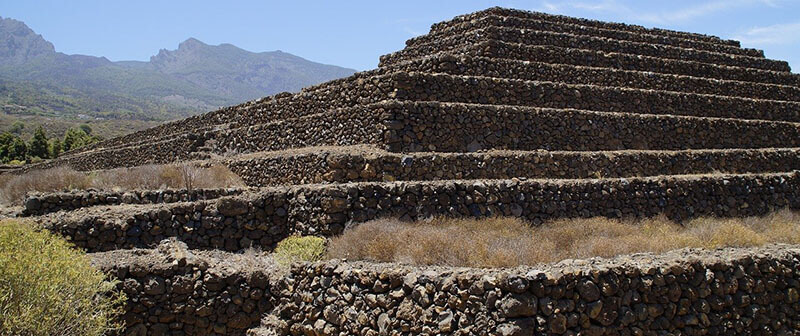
(143, 177)
(493, 242)
(14, 187)
(504, 242)
(214, 176)
(172, 176)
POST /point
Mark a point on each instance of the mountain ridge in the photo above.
(193, 78)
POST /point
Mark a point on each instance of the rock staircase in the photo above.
(499, 112)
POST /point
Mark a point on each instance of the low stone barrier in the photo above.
(690, 292)
(263, 219)
(236, 224)
(530, 37)
(718, 292)
(363, 164)
(172, 290)
(43, 203)
(561, 27)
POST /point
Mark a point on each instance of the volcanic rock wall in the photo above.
(173, 290)
(364, 164)
(263, 219)
(720, 292)
(43, 203)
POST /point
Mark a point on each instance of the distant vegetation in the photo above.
(48, 100)
(49, 288)
(15, 150)
(106, 129)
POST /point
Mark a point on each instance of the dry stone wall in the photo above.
(395, 83)
(727, 291)
(477, 118)
(585, 42)
(464, 127)
(688, 292)
(575, 74)
(331, 95)
(421, 126)
(496, 91)
(229, 224)
(263, 219)
(179, 148)
(467, 127)
(465, 28)
(359, 125)
(329, 165)
(174, 291)
(43, 203)
(559, 55)
(507, 12)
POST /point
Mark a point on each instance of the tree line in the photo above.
(15, 150)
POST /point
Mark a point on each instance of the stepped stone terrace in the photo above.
(495, 113)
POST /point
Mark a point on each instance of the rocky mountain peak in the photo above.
(19, 43)
(191, 44)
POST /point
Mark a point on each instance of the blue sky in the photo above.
(355, 33)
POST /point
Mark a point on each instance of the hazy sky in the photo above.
(354, 33)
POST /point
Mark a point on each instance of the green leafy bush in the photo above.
(49, 288)
(297, 248)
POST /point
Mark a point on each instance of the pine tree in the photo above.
(86, 129)
(39, 146)
(17, 150)
(55, 147)
(76, 137)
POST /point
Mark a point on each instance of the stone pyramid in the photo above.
(504, 95)
(496, 113)
(511, 80)
(514, 113)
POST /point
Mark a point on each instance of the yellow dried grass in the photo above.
(506, 242)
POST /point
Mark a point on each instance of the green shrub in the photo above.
(49, 288)
(297, 248)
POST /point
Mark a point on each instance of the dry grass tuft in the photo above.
(183, 176)
(14, 188)
(507, 242)
(175, 176)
